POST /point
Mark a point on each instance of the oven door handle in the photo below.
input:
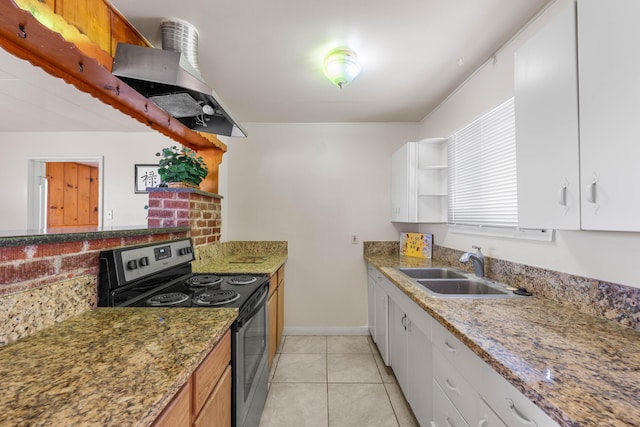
(258, 306)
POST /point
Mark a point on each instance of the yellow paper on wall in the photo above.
(416, 245)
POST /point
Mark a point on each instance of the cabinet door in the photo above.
(398, 345)
(547, 131)
(178, 413)
(371, 300)
(382, 323)
(217, 410)
(609, 37)
(280, 323)
(419, 373)
(403, 184)
(272, 309)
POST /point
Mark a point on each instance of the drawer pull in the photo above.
(482, 423)
(451, 386)
(449, 423)
(519, 416)
(449, 346)
(432, 424)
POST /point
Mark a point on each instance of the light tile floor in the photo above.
(333, 381)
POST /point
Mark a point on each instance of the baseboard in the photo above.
(301, 330)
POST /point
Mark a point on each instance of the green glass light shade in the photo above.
(341, 66)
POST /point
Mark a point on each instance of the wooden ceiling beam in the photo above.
(24, 36)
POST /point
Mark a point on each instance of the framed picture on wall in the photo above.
(146, 176)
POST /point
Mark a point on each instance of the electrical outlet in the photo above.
(109, 213)
(354, 239)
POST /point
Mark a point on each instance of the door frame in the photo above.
(37, 187)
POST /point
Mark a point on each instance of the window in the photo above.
(482, 171)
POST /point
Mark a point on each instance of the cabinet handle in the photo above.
(449, 423)
(562, 195)
(482, 423)
(519, 416)
(432, 424)
(404, 318)
(451, 386)
(450, 347)
(591, 190)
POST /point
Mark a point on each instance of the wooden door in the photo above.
(72, 196)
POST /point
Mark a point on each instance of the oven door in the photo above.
(251, 363)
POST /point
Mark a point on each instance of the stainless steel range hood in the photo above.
(170, 81)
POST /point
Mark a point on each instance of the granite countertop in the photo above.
(580, 369)
(245, 257)
(61, 235)
(106, 367)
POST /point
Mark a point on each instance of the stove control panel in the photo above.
(141, 261)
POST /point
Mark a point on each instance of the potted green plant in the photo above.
(181, 167)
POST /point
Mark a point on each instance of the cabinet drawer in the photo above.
(459, 392)
(459, 355)
(210, 370)
(513, 407)
(444, 413)
(486, 417)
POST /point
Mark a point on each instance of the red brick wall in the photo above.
(33, 266)
(186, 207)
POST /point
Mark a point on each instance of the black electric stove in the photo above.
(159, 275)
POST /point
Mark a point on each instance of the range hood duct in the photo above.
(171, 79)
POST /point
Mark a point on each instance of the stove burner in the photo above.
(171, 298)
(216, 297)
(204, 280)
(242, 280)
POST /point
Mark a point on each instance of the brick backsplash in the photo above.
(49, 282)
(45, 283)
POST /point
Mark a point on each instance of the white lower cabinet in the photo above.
(410, 352)
(481, 395)
(382, 323)
(378, 302)
(445, 383)
(371, 300)
(398, 345)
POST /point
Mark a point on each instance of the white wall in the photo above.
(601, 255)
(120, 150)
(314, 185)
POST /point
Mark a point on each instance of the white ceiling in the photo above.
(264, 59)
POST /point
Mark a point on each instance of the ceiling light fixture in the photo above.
(341, 66)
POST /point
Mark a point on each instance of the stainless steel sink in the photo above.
(465, 287)
(432, 273)
(442, 282)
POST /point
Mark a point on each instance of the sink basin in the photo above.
(442, 282)
(432, 273)
(462, 287)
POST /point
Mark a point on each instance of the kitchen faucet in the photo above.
(477, 259)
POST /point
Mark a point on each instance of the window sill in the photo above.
(542, 235)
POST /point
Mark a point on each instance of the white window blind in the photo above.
(482, 171)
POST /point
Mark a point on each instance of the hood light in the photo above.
(341, 66)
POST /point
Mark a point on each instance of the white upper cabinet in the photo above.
(419, 182)
(403, 183)
(609, 64)
(548, 109)
(547, 132)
